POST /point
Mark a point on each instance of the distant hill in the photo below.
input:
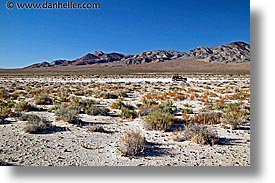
(234, 52)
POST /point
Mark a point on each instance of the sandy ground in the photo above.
(64, 147)
(72, 145)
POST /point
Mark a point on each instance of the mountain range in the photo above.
(234, 52)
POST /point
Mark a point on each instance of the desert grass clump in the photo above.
(36, 124)
(68, 114)
(25, 106)
(5, 109)
(118, 105)
(43, 99)
(108, 96)
(159, 120)
(167, 107)
(234, 118)
(95, 110)
(207, 118)
(131, 143)
(200, 134)
(128, 114)
(187, 111)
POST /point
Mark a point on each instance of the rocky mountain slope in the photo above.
(233, 52)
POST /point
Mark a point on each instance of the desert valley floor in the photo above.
(88, 120)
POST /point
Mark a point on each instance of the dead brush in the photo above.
(178, 135)
(96, 128)
(207, 118)
(131, 143)
(200, 134)
(36, 124)
(43, 99)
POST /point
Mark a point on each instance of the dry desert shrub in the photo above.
(68, 114)
(95, 110)
(105, 95)
(234, 118)
(2, 119)
(118, 105)
(36, 124)
(96, 128)
(200, 134)
(25, 106)
(207, 118)
(43, 99)
(131, 143)
(128, 114)
(6, 109)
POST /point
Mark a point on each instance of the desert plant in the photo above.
(159, 120)
(118, 104)
(200, 134)
(148, 103)
(36, 124)
(234, 118)
(68, 114)
(5, 110)
(187, 111)
(43, 99)
(25, 106)
(207, 118)
(131, 143)
(108, 96)
(96, 129)
(123, 94)
(167, 107)
(2, 119)
(95, 110)
(128, 114)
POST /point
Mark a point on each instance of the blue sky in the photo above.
(124, 26)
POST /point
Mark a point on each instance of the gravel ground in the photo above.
(71, 145)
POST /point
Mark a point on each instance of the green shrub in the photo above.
(25, 106)
(128, 114)
(167, 107)
(159, 120)
(10, 103)
(131, 143)
(68, 114)
(35, 124)
(149, 103)
(234, 119)
(5, 110)
(118, 104)
(187, 111)
(228, 106)
(90, 107)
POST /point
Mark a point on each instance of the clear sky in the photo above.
(124, 26)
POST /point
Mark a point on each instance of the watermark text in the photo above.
(53, 5)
